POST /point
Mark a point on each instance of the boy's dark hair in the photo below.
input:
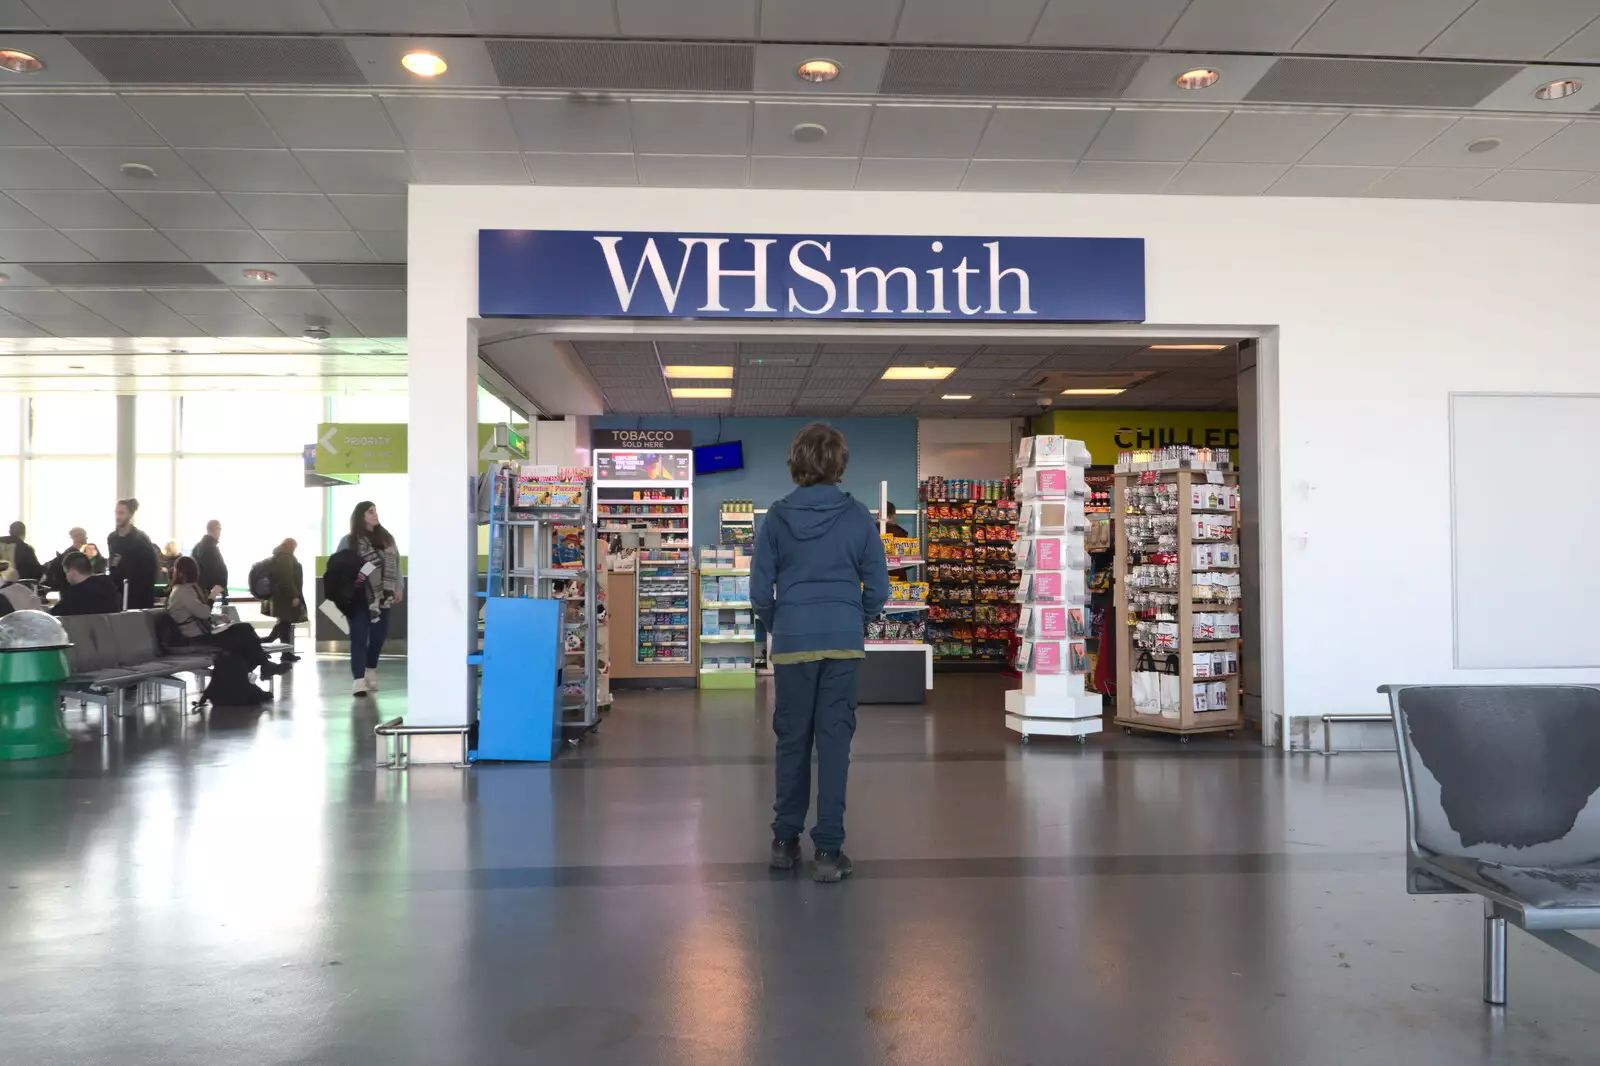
(77, 562)
(818, 455)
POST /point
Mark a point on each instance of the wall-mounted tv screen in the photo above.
(715, 458)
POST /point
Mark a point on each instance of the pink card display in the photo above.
(1052, 482)
(1047, 553)
(1047, 588)
(1053, 623)
(1047, 658)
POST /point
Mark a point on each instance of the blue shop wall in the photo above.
(881, 449)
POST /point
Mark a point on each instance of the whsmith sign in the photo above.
(579, 274)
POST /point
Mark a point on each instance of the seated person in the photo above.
(85, 591)
(190, 608)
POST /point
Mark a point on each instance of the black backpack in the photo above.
(261, 580)
(339, 579)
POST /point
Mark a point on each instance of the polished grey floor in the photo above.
(248, 889)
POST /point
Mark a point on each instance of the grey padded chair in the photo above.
(1502, 790)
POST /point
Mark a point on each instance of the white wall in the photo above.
(1385, 307)
(966, 447)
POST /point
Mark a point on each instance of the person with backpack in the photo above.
(133, 558)
(278, 582)
(190, 608)
(24, 560)
(378, 586)
(208, 554)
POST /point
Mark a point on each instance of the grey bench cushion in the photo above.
(1535, 887)
(134, 634)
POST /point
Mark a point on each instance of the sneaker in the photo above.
(785, 853)
(289, 657)
(372, 679)
(359, 688)
(831, 867)
(270, 670)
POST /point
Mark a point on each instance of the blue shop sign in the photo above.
(584, 274)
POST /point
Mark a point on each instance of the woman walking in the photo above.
(378, 588)
(286, 602)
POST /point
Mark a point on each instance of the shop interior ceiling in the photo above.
(166, 146)
(846, 380)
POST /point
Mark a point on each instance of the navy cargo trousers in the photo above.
(815, 705)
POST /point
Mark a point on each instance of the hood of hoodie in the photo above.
(812, 511)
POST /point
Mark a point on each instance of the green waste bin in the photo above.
(33, 663)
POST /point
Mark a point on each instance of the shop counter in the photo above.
(896, 673)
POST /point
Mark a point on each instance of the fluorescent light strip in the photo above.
(709, 373)
(1186, 347)
(702, 394)
(956, 396)
(918, 373)
(1093, 392)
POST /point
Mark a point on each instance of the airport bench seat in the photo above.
(112, 653)
(1500, 783)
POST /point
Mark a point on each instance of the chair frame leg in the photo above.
(1494, 956)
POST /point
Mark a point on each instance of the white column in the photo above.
(442, 336)
(127, 444)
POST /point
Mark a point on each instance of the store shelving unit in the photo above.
(727, 630)
(662, 607)
(968, 545)
(737, 524)
(1171, 611)
(660, 514)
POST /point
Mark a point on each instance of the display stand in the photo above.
(662, 608)
(969, 531)
(1052, 624)
(899, 661)
(727, 620)
(1178, 590)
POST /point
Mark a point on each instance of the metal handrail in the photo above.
(394, 741)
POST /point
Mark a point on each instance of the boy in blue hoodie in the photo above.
(817, 576)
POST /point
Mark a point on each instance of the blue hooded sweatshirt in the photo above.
(819, 549)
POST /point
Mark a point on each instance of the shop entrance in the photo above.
(935, 417)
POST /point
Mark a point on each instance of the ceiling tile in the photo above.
(911, 174)
(14, 216)
(469, 168)
(336, 324)
(1513, 29)
(916, 131)
(1428, 183)
(206, 120)
(308, 121)
(961, 22)
(284, 303)
(1587, 193)
(388, 245)
(846, 126)
(250, 169)
(14, 132)
(388, 172)
(82, 324)
(793, 172)
(1017, 175)
(202, 301)
(571, 168)
(1540, 186)
(278, 16)
(126, 245)
(80, 208)
(1154, 136)
(134, 310)
(1327, 181)
(462, 123)
(1040, 133)
(691, 127)
(1243, 25)
(1125, 24)
(555, 18)
(703, 18)
(1226, 179)
(1092, 176)
(82, 119)
(245, 325)
(694, 171)
(1517, 138)
(1379, 27)
(104, 164)
(268, 210)
(14, 327)
(829, 20)
(1583, 46)
(1377, 140)
(372, 212)
(573, 125)
(400, 16)
(1575, 148)
(112, 15)
(184, 210)
(41, 168)
(1266, 137)
(318, 245)
(33, 302)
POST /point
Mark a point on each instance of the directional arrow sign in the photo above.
(361, 448)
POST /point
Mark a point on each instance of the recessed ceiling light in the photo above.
(1484, 144)
(1093, 392)
(680, 371)
(701, 394)
(810, 132)
(1186, 347)
(424, 64)
(956, 396)
(19, 62)
(918, 373)
(1199, 78)
(138, 171)
(259, 275)
(818, 71)
(1559, 89)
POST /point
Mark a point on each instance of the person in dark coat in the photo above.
(287, 603)
(55, 577)
(208, 554)
(817, 575)
(24, 560)
(86, 592)
(133, 558)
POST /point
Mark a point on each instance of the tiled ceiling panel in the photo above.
(1380, 27)
(136, 60)
(1375, 83)
(1526, 29)
(1125, 24)
(961, 22)
(1011, 74)
(623, 65)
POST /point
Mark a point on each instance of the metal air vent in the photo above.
(1005, 73)
(355, 275)
(221, 60)
(1379, 82)
(552, 64)
(125, 275)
